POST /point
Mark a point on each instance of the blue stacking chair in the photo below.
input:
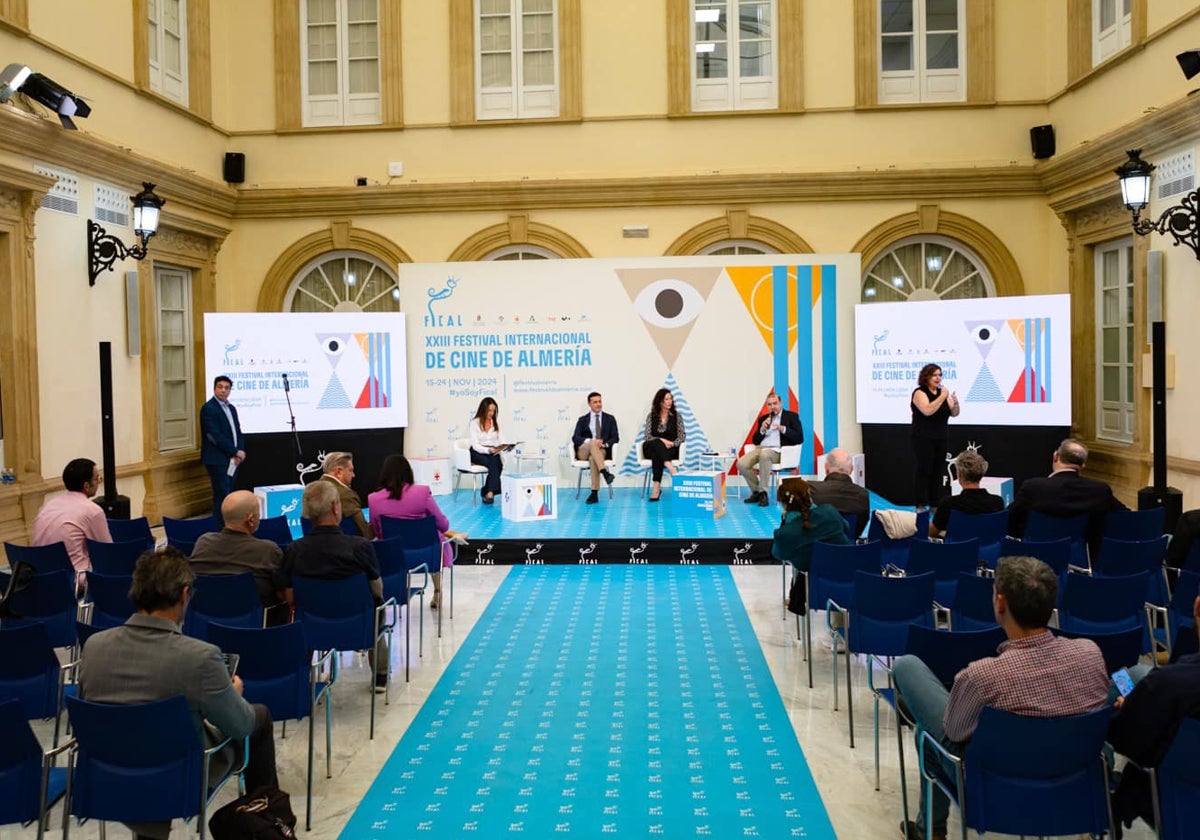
(1122, 649)
(31, 674)
(142, 763)
(340, 615)
(1025, 775)
(831, 576)
(988, 528)
(877, 626)
(130, 530)
(277, 670)
(1135, 524)
(972, 608)
(108, 598)
(1176, 785)
(115, 558)
(1118, 558)
(424, 532)
(397, 567)
(1042, 528)
(1178, 614)
(1057, 554)
(1105, 605)
(947, 560)
(227, 599)
(42, 558)
(28, 776)
(895, 552)
(189, 530)
(48, 599)
(275, 529)
(852, 525)
(349, 527)
(85, 632)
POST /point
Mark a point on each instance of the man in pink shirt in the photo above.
(72, 518)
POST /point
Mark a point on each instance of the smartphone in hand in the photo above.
(1123, 681)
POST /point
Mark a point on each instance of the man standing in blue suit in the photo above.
(222, 446)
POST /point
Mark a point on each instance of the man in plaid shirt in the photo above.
(1035, 673)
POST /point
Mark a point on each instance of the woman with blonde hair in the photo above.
(804, 523)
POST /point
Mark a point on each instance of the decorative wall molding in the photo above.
(518, 230)
(738, 224)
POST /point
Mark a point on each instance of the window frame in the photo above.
(345, 254)
(733, 85)
(923, 239)
(517, 92)
(920, 74)
(186, 417)
(162, 81)
(196, 95)
(344, 100)
(1125, 288)
(1111, 40)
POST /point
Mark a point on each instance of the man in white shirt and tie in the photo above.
(773, 430)
(595, 434)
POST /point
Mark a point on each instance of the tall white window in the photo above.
(734, 48)
(339, 48)
(167, 47)
(926, 268)
(516, 59)
(1114, 340)
(922, 51)
(1112, 27)
(343, 281)
(176, 386)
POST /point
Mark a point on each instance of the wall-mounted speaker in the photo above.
(1041, 138)
(235, 167)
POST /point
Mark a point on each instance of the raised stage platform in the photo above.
(624, 529)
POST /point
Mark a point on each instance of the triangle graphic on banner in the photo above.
(335, 395)
(695, 440)
(668, 300)
(755, 286)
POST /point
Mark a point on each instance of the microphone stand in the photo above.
(287, 393)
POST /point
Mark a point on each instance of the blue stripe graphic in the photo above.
(779, 327)
(1028, 357)
(804, 363)
(829, 359)
(1046, 355)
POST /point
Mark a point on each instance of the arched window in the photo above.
(736, 247)
(926, 268)
(520, 252)
(343, 281)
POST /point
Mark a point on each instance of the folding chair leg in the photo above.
(783, 586)
(833, 670)
(903, 776)
(578, 482)
(451, 592)
(312, 712)
(849, 692)
(807, 641)
(876, 734)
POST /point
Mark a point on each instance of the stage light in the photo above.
(17, 78)
(1178, 220)
(104, 249)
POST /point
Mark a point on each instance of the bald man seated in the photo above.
(838, 488)
(234, 549)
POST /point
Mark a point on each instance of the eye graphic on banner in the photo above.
(669, 303)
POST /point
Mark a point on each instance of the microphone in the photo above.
(286, 388)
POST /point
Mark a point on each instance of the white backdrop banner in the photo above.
(1007, 358)
(720, 332)
(344, 370)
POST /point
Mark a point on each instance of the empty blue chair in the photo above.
(184, 547)
(108, 596)
(131, 530)
(1176, 786)
(946, 560)
(1120, 650)
(988, 528)
(398, 568)
(1105, 604)
(1135, 524)
(43, 558)
(142, 763)
(1117, 558)
(831, 576)
(276, 669)
(852, 525)
(972, 607)
(895, 552)
(1178, 615)
(30, 673)
(1026, 775)
(49, 599)
(28, 776)
(349, 527)
(115, 558)
(1042, 528)
(226, 599)
(341, 615)
(424, 532)
(189, 530)
(1057, 554)
(275, 529)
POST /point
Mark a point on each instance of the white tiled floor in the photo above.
(844, 776)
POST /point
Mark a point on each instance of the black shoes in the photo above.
(763, 499)
(593, 497)
(381, 682)
(751, 499)
(608, 477)
(487, 500)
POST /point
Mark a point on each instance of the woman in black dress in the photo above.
(932, 407)
(664, 433)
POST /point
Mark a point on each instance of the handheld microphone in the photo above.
(286, 388)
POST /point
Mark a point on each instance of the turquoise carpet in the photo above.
(591, 701)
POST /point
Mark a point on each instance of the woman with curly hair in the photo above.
(803, 524)
(664, 434)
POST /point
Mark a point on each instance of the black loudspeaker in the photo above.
(235, 167)
(1041, 138)
(115, 505)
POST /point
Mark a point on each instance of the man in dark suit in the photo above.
(1065, 493)
(338, 470)
(595, 434)
(773, 430)
(838, 488)
(222, 446)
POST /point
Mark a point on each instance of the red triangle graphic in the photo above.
(1018, 391)
(364, 399)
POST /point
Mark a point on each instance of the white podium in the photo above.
(528, 498)
(434, 473)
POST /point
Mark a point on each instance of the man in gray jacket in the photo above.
(148, 659)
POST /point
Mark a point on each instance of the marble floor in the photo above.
(844, 776)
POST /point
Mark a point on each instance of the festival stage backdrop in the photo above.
(344, 370)
(721, 333)
(1007, 358)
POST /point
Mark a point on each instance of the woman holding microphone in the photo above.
(932, 407)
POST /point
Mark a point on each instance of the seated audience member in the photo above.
(594, 437)
(803, 524)
(838, 488)
(235, 549)
(328, 554)
(1145, 724)
(148, 659)
(971, 469)
(398, 496)
(1034, 673)
(72, 518)
(773, 430)
(1065, 493)
(338, 470)
(1187, 531)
